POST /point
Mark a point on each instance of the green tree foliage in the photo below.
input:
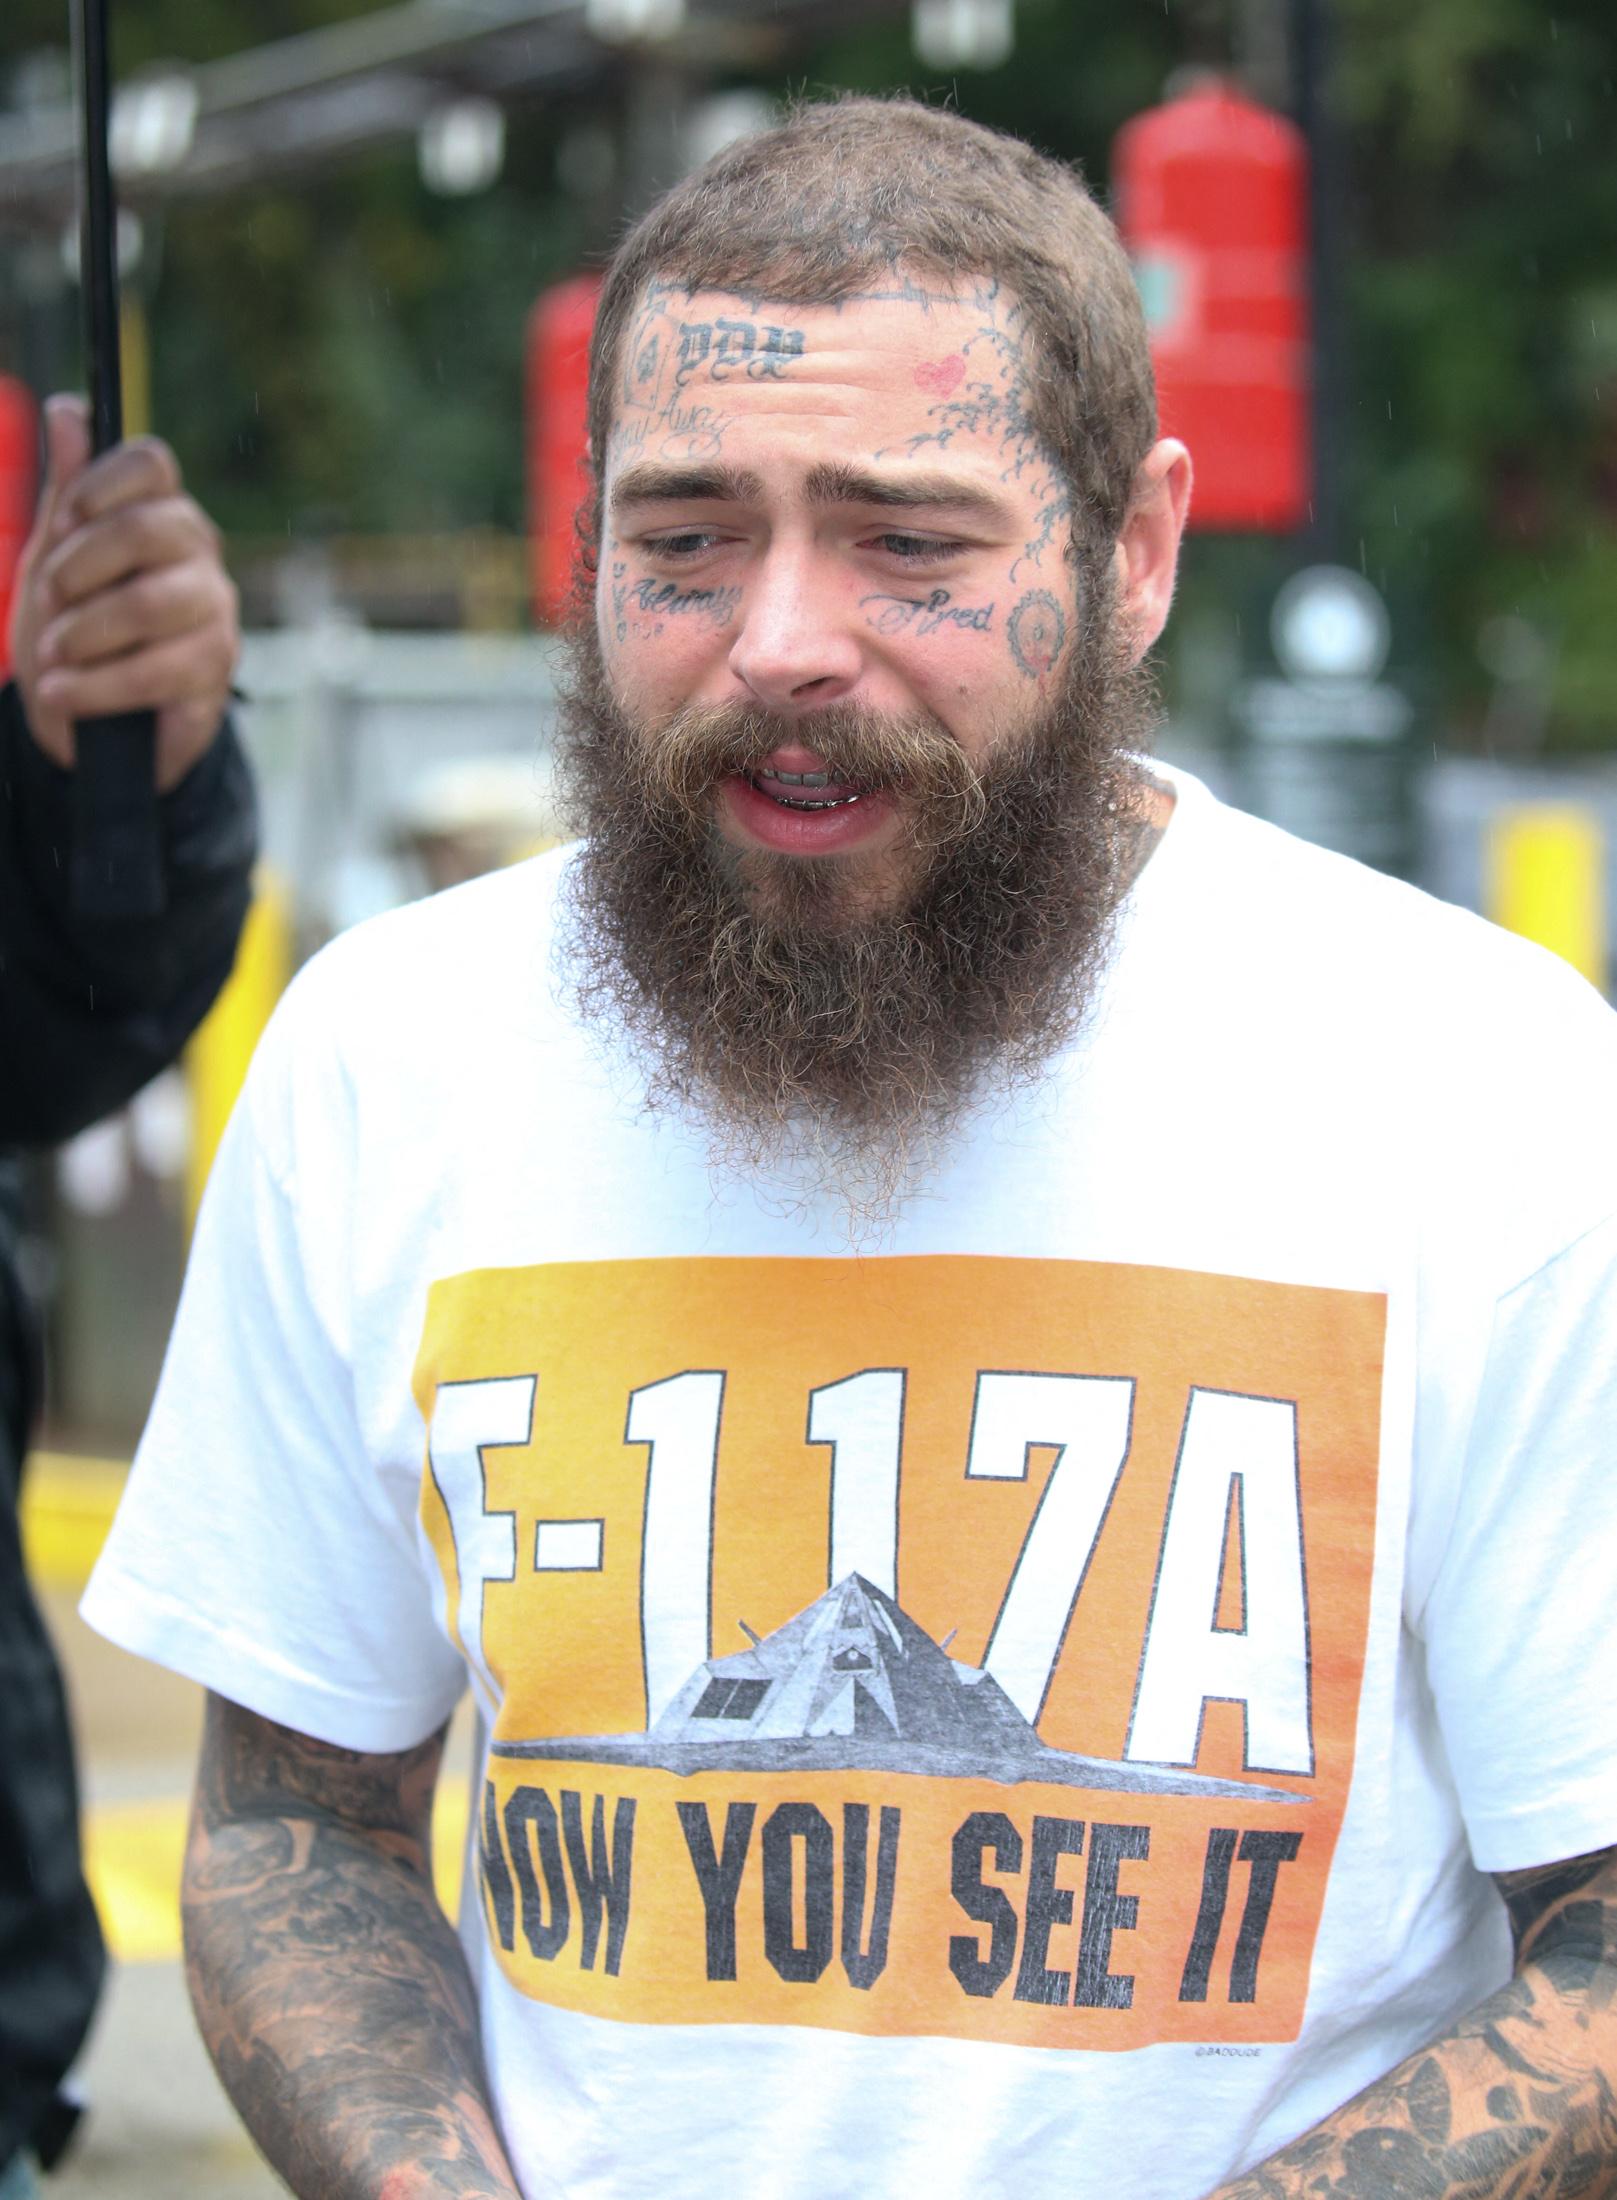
(346, 351)
(351, 356)
(1481, 389)
(145, 31)
(1485, 296)
(342, 352)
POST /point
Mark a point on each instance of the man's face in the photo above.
(823, 509)
(852, 737)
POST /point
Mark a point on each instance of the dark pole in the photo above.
(117, 857)
(1312, 45)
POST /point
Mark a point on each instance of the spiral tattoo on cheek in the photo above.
(1036, 632)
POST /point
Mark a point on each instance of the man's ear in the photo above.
(1146, 558)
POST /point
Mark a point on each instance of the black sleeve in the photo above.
(90, 1008)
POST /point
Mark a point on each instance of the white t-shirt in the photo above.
(1006, 1712)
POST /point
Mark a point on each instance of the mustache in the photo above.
(913, 759)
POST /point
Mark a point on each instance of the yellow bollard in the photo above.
(1546, 879)
(216, 1060)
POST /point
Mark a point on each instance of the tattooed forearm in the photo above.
(1552, 1929)
(1518, 2102)
(329, 1986)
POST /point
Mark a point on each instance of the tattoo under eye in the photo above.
(715, 607)
(888, 614)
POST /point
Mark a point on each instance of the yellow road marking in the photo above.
(67, 1507)
(132, 1854)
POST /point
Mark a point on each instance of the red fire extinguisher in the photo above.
(1212, 201)
(559, 331)
(19, 466)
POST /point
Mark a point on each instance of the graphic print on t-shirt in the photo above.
(932, 1645)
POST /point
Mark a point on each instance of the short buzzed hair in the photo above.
(844, 193)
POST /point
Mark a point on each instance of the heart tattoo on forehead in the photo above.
(941, 376)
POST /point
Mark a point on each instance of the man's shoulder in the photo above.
(394, 1007)
(1408, 1031)
(447, 948)
(1353, 936)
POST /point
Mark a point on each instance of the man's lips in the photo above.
(803, 812)
(804, 790)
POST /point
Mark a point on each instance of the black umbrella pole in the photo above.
(117, 850)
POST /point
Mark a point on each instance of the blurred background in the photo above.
(1377, 246)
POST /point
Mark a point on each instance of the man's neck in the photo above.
(1144, 830)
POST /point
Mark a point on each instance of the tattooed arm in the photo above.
(1517, 2102)
(330, 1987)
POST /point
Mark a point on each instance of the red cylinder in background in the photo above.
(559, 331)
(19, 468)
(1212, 202)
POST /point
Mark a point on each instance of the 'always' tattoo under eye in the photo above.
(715, 606)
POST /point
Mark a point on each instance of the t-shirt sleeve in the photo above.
(259, 1548)
(1521, 1620)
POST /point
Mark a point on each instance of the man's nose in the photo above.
(797, 642)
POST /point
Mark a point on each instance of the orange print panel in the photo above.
(888, 1354)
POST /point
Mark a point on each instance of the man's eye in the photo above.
(915, 549)
(690, 542)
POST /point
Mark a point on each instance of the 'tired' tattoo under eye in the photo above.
(1036, 633)
(925, 614)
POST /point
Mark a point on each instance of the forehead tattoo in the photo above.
(684, 350)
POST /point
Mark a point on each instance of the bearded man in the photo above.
(996, 1378)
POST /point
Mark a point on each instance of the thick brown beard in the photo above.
(823, 1038)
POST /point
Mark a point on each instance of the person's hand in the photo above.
(123, 602)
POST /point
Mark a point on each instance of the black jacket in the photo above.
(89, 1010)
